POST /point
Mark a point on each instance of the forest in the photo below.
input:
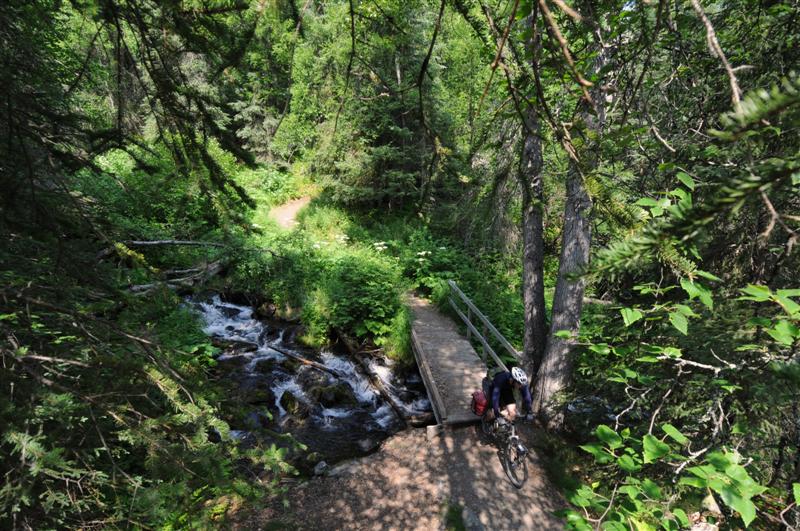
(615, 184)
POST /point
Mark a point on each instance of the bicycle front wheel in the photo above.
(486, 425)
(515, 463)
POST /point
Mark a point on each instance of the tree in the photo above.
(556, 369)
(531, 183)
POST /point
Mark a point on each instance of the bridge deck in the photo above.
(448, 363)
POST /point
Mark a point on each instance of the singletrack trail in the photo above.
(285, 215)
(408, 483)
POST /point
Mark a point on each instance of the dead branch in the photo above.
(498, 55)
(556, 32)
(716, 51)
(305, 361)
(377, 383)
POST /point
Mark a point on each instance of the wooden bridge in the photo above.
(450, 366)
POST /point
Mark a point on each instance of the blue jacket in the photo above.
(502, 381)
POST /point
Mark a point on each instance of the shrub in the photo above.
(361, 294)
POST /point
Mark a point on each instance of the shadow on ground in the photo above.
(410, 481)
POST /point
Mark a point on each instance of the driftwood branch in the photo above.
(305, 361)
(716, 51)
(378, 384)
(198, 275)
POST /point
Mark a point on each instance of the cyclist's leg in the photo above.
(510, 411)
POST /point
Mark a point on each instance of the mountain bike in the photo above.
(513, 454)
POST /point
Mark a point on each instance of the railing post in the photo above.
(469, 318)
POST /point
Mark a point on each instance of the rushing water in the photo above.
(350, 422)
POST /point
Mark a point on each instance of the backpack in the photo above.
(479, 403)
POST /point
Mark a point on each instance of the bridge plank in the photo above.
(451, 368)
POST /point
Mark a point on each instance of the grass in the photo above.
(453, 517)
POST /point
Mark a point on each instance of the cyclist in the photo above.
(502, 393)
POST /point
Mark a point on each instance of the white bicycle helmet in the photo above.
(519, 376)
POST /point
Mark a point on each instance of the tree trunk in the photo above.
(556, 371)
(532, 163)
(533, 244)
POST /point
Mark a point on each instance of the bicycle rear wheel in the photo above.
(515, 463)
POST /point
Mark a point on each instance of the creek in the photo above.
(337, 414)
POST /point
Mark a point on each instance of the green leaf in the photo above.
(791, 307)
(796, 491)
(700, 483)
(652, 490)
(631, 491)
(708, 276)
(646, 202)
(689, 287)
(679, 321)
(563, 334)
(628, 464)
(755, 293)
(601, 348)
(686, 179)
(676, 435)
(759, 321)
(685, 310)
(784, 332)
(598, 451)
(705, 296)
(639, 525)
(680, 514)
(654, 449)
(789, 292)
(630, 315)
(608, 436)
(743, 506)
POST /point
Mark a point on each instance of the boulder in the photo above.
(256, 420)
(368, 445)
(290, 365)
(269, 334)
(265, 366)
(320, 468)
(293, 406)
(231, 361)
(338, 394)
(265, 311)
(260, 394)
(309, 378)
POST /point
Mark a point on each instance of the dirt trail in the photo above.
(285, 215)
(408, 483)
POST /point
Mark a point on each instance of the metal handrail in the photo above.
(487, 325)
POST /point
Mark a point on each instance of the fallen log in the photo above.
(374, 379)
(308, 362)
(378, 384)
(199, 276)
